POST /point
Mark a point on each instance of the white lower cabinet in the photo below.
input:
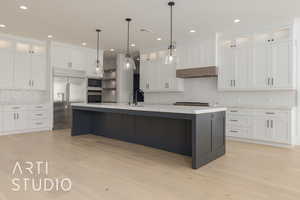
(270, 126)
(23, 118)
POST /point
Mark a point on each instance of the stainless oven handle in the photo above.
(94, 93)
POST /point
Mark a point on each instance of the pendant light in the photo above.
(98, 64)
(128, 60)
(171, 58)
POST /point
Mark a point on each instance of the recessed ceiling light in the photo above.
(159, 39)
(2, 25)
(50, 36)
(133, 45)
(23, 7)
(112, 49)
(84, 44)
(237, 21)
(192, 31)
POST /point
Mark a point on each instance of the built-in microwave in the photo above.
(94, 83)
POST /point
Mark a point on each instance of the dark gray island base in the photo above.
(201, 136)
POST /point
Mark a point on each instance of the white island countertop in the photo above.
(155, 108)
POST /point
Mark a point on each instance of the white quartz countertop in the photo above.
(156, 108)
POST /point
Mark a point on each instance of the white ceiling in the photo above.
(75, 21)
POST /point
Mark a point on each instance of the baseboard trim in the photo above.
(260, 142)
(24, 131)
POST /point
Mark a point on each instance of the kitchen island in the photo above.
(193, 131)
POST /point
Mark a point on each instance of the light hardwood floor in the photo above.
(105, 169)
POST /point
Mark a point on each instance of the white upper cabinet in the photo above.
(91, 61)
(23, 65)
(199, 53)
(39, 66)
(282, 64)
(30, 65)
(263, 61)
(234, 63)
(75, 57)
(60, 56)
(155, 76)
(6, 63)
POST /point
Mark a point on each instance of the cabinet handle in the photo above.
(234, 120)
(270, 113)
(39, 123)
(268, 81)
(14, 116)
(231, 83)
(32, 82)
(271, 123)
(234, 83)
(39, 115)
(272, 81)
(234, 111)
(233, 131)
(268, 123)
(16, 107)
(17, 115)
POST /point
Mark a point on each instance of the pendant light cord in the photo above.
(98, 46)
(128, 38)
(171, 4)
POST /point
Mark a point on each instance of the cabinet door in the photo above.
(78, 58)
(167, 77)
(242, 66)
(61, 56)
(260, 128)
(227, 68)
(144, 79)
(1, 121)
(21, 121)
(282, 65)
(22, 72)
(279, 129)
(9, 119)
(6, 63)
(38, 67)
(261, 65)
(91, 62)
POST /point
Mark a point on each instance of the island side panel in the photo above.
(208, 138)
(81, 122)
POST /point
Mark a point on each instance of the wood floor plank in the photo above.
(102, 168)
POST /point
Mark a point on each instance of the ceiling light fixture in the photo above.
(159, 39)
(83, 44)
(171, 58)
(23, 7)
(237, 21)
(128, 60)
(112, 49)
(133, 45)
(98, 64)
(192, 31)
(2, 25)
(50, 36)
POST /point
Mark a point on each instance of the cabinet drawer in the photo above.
(39, 107)
(36, 124)
(238, 111)
(237, 120)
(239, 132)
(13, 108)
(42, 114)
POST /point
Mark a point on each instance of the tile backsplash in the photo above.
(8, 97)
